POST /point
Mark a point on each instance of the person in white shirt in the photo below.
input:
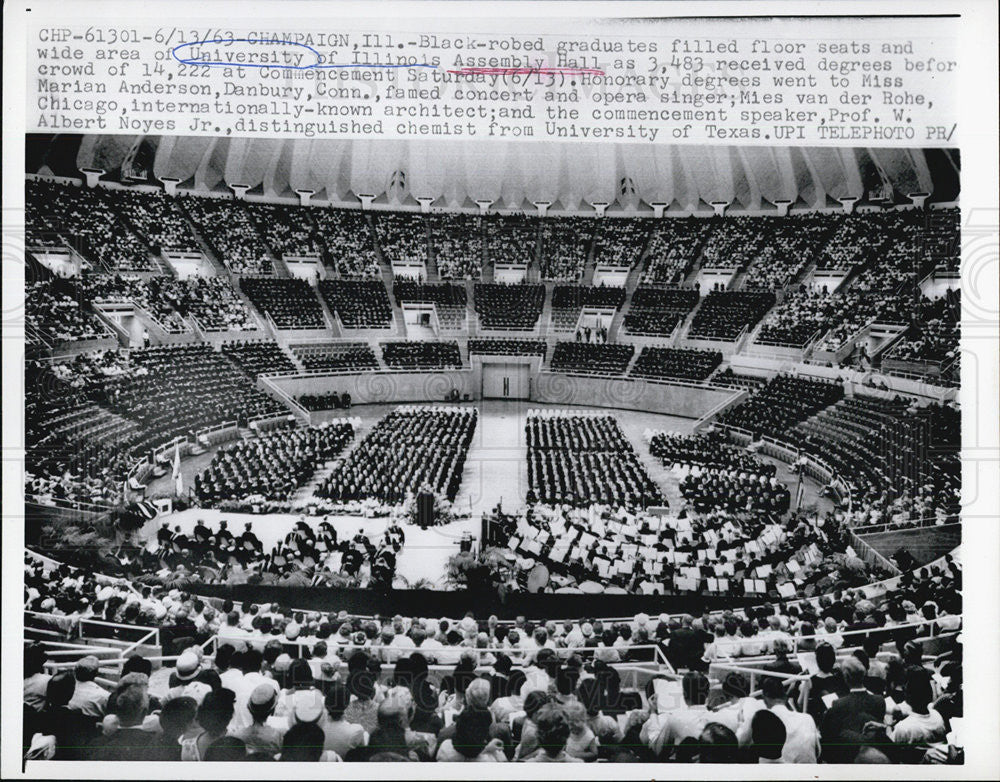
(231, 630)
(923, 725)
(36, 681)
(802, 735)
(90, 698)
(830, 633)
(252, 676)
(429, 647)
(682, 723)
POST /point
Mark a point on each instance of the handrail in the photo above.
(889, 526)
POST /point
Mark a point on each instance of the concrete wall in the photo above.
(626, 394)
(546, 387)
(372, 387)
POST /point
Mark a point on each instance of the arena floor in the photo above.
(496, 471)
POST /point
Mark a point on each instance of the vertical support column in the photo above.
(600, 207)
(919, 199)
(366, 200)
(304, 196)
(783, 207)
(720, 207)
(484, 206)
(93, 175)
(849, 203)
(659, 207)
(239, 191)
(542, 207)
(170, 185)
(425, 204)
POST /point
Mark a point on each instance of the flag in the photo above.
(178, 479)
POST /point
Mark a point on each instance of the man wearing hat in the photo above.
(186, 670)
(261, 735)
(89, 697)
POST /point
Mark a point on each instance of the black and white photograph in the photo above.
(451, 447)
(656, 474)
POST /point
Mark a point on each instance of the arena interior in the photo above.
(373, 451)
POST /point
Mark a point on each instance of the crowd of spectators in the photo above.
(620, 241)
(900, 461)
(230, 232)
(942, 237)
(263, 357)
(75, 451)
(577, 296)
(349, 242)
(802, 313)
(658, 363)
(402, 236)
(211, 300)
(933, 337)
(734, 242)
(360, 304)
(38, 233)
(294, 685)
(508, 347)
(291, 302)
(783, 402)
(86, 221)
(156, 217)
(407, 451)
(724, 314)
(790, 244)
(328, 401)
(457, 243)
(714, 474)
(727, 378)
(508, 306)
(590, 358)
(442, 294)
(422, 355)
(566, 245)
(856, 239)
(175, 390)
(146, 292)
(655, 311)
(584, 460)
(53, 311)
(271, 466)
(288, 230)
(336, 356)
(512, 238)
(709, 450)
(674, 247)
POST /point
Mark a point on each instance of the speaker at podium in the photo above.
(425, 509)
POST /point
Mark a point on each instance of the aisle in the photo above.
(496, 468)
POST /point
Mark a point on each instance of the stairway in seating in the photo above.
(591, 262)
(162, 265)
(737, 282)
(220, 268)
(631, 283)
(545, 320)
(332, 324)
(432, 269)
(487, 262)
